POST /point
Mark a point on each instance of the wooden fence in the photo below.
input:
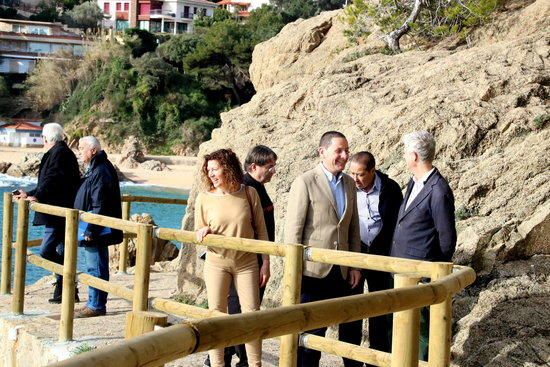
(210, 329)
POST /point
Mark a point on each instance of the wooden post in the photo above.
(406, 328)
(439, 350)
(69, 275)
(141, 322)
(123, 247)
(292, 282)
(7, 234)
(143, 261)
(18, 298)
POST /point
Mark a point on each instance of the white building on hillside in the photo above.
(157, 16)
(21, 133)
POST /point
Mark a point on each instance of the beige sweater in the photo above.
(230, 215)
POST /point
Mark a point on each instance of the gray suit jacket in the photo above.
(311, 218)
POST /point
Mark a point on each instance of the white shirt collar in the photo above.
(329, 174)
(424, 178)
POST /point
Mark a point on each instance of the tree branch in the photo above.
(392, 39)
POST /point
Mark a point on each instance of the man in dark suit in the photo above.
(378, 202)
(58, 181)
(426, 223)
(322, 213)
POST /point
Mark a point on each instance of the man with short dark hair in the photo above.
(259, 167)
(58, 180)
(426, 223)
(378, 202)
(322, 213)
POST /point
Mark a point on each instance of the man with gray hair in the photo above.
(425, 227)
(99, 193)
(58, 180)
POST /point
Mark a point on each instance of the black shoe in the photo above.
(58, 293)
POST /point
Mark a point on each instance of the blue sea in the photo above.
(165, 215)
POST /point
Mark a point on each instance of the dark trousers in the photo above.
(380, 327)
(53, 245)
(424, 333)
(331, 286)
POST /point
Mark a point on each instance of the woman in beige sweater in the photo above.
(229, 208)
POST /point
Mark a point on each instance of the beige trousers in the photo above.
(218, 274)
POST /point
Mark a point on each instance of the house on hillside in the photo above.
(157, 16)
(21, 133)
(24, 42)
(241, 9)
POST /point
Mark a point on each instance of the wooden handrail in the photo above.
(148, 199)
(218, 332)
(230, 243)
(216, 329)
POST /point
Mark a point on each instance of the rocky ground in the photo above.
(486, 102)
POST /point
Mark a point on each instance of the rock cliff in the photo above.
(487, 105)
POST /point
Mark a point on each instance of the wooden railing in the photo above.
(214, 329)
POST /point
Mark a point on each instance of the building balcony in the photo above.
(159, 13)
(121, 15)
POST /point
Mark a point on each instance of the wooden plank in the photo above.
(184, 310)
(69, 276)
(18, 298)
(148, 199)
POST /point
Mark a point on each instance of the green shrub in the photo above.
(438, 18)
(464, 212)
(82, 348)
(541, 121)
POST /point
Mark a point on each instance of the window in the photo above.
(126, 6)
(106, 8)
(155, 27)
(118, 6)
(144, 9)
(39, 30)
(19, 28)
(78, 50)
(186, 12)
(121, 25)
(38, 47)
(182, 27)
(143, 24)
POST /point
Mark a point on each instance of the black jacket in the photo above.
(388, 206)
(267, 204)
(426, 229)
(99, 193)
(58, 180)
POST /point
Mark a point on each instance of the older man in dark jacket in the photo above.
(58, 180)
(426, 223)
(99, 193)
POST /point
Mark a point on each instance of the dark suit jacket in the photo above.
(58, 181)
(388, 206)
(99, 193)
(426, 229)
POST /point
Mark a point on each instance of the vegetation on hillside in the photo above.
(168, 91)
(431, 20)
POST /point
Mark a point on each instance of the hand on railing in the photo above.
(201, 233)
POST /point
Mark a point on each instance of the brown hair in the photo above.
(231, 169)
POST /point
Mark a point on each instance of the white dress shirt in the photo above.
(418, 186)
(370, 221)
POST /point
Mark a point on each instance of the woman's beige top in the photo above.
(230, 215)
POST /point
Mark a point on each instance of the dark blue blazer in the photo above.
(426, 229)
(99, 193)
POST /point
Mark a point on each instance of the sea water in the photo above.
(164, 215)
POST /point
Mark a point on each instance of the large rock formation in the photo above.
(484, 102)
